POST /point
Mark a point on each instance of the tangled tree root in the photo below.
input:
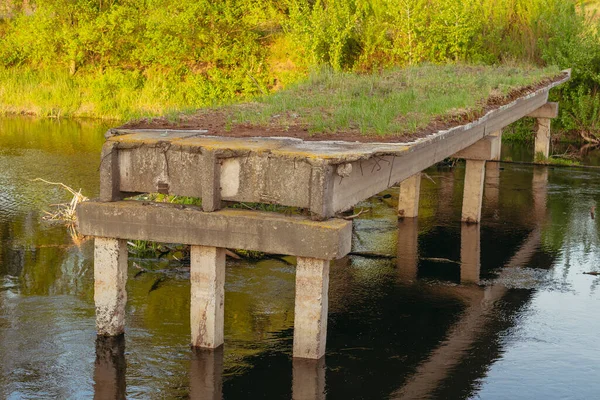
(65, 212)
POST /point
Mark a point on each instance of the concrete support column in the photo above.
(207, 274)
(470, 253)
(473, 191)
(310, 320)
(308, 381)
(542, 137)
(408, 249)
(408, 199)
(109, 368)
(496, 152)
(206, 374)
(110, 278)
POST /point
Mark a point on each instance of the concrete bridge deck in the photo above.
(322, 177)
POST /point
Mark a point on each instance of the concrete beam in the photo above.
(542, 138)
(207, 275)
(485, 149)
(548, 110)
(473, 191)
(310, 312)
(110, 278)
(227, 228)
(408, 199)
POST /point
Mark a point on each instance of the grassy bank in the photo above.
(131, 58)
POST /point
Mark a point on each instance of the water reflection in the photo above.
(308, 379)
(470, 252)
(110, 368)
(206, 374)
(408, 249)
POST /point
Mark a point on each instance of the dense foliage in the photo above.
(125, 58)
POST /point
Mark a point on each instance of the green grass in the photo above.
(392, 102)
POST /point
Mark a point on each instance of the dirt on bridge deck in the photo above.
(217, 122)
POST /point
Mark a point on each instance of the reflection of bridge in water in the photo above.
(477, 323)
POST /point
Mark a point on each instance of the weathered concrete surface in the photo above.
(473, 191)
(228, 228)
(308, 379)
(470, 253)
(109, 368)
(324, 177)
(542, 137)
(487, 148)
(408, 199)
(548, 110)
(207, 276)
(408, 249)
(110, 277)
(310, 319)
(206, 374)
(497, 153)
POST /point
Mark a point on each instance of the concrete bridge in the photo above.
(206, 367)
(323, 178)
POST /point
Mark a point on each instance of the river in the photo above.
(401, 325)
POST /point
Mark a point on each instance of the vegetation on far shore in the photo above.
(125, 59)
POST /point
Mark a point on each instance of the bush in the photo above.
(128, 58)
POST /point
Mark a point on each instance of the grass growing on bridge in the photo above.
(401, 101)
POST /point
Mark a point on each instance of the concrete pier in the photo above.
(207, 275)
(473, 191)
(408, 199)
(318, 179)
(544, 114)
(310, 312)
(110, 278)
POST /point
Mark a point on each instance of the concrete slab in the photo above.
(323, 176)
(228, 228)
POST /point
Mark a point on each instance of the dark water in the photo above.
(522, 324)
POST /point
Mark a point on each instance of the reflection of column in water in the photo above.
(308, 382)
(445, 187)
(470, 252)
(492, 184)
(206, 374)
(408, 249)
(109, 370)
(540, 191)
